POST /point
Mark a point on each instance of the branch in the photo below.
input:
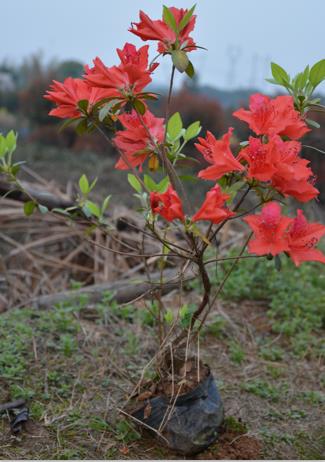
(42, 197)
(124, 291)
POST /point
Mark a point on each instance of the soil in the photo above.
(235, 447)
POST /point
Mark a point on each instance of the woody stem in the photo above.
(223, 282)
(170, 91)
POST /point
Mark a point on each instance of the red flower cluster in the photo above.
(271, 156)
(275, 233)
(278, 161)
(128, 79)
(213, 208)
(219, 155)
(123, 82)
(302, 239)
(67, 95)
(159, 30)
(167, 204)
(276, 116)
(269, 229)
(134, 141)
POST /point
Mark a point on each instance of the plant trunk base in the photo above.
(193, 424)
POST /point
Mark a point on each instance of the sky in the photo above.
(242, 36)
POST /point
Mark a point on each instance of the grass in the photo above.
(265, 390)
(295, 297)
(51, 359)
(75, 364)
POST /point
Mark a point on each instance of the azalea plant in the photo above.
(268, 166)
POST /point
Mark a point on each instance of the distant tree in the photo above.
(32, 104)
(69, 68)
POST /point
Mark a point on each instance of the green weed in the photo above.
(265, 390)
(296, 298)
(236, 352)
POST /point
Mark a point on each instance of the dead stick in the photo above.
(12, 405)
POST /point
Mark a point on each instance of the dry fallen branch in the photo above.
(124, 291)
(46, 198)
(36, 264)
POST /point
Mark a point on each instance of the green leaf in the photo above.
(11, 141)
(185, 314)
(67, 123)
(135, 183)
(274, 82)
(169, 317)
(183, 311)
(152, 96)
(190, 70)
(29, 208)
(197, 232)
(93, 184)
(61, 211)
(180, 60)
(279, 74)
(84, 185)
(312, 123)
(233, 189)
(43, 209)
(149, 183)
(93, 208)
(192, 131)
(139, 106)
(309, 89)
(169, 18)
(105, 203)
(193, 179)
(104, 111)
(162, 186)
(107, 108)
(83, 105)
(186, 18)
(304, 78)
(174, 126)
(317, 73)
(15, 168)
(82, 127)
(3, 146)
(298, 82)
(86, 211)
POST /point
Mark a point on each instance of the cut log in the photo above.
(124, 291)
(42, 197)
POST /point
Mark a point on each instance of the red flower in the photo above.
(148, 29)
(217, 153)
(261, 165)
(302, 190)
(269, 229)
(135, 142)
(167, 204)
(66, 95)
(276, 116)
(302, 238)
(292, 176)
(213, 208)
(278, 161)
(126, 80)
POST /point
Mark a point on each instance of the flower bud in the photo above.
(153, 163)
